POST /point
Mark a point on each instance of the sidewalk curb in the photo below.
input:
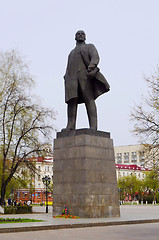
(76, 225)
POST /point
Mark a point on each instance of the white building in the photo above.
(45, 168)
(130, 159)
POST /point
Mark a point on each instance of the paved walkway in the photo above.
(134, 214)
(125, 232)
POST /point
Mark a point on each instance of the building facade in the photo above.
(130, 159)
(36, 190)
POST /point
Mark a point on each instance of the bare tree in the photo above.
(24, 123)
(146, 118)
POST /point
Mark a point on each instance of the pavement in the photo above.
(122, 232)
(132, 214)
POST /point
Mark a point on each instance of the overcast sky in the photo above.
(125, 32)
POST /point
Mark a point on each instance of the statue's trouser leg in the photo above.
(88, 96)
(92, 113)
(72, 113)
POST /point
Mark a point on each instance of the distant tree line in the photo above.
(142, 190)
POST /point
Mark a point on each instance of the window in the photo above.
(126, 157)
(119, 157)
(141, 156)
(48, 168)
(39, 167)
(134, 157)
(123, 173)
(39, 178)
(38, 195)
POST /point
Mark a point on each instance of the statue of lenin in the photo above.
(83, 81)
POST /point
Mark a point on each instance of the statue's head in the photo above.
(80, 36)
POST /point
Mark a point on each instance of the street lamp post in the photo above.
(46, 182)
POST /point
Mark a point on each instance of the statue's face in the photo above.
(80, 36)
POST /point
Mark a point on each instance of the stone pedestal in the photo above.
(84, 174)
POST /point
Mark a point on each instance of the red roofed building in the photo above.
(130, 159)
(125, 170)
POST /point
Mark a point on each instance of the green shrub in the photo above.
(17, 209)
(148, 198)
(9, 210)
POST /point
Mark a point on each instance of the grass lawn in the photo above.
(16, 220)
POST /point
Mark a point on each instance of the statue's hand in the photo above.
(91, 67)
(92, 72)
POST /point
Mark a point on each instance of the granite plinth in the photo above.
(85, 176)
(86, 131)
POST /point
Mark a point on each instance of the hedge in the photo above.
(17, 209)
(149, 198)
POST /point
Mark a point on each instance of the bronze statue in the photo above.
(83, 81)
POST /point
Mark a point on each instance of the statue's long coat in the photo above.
(89, 55)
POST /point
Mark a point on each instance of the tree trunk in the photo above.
(3, 191)
(154, 198)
